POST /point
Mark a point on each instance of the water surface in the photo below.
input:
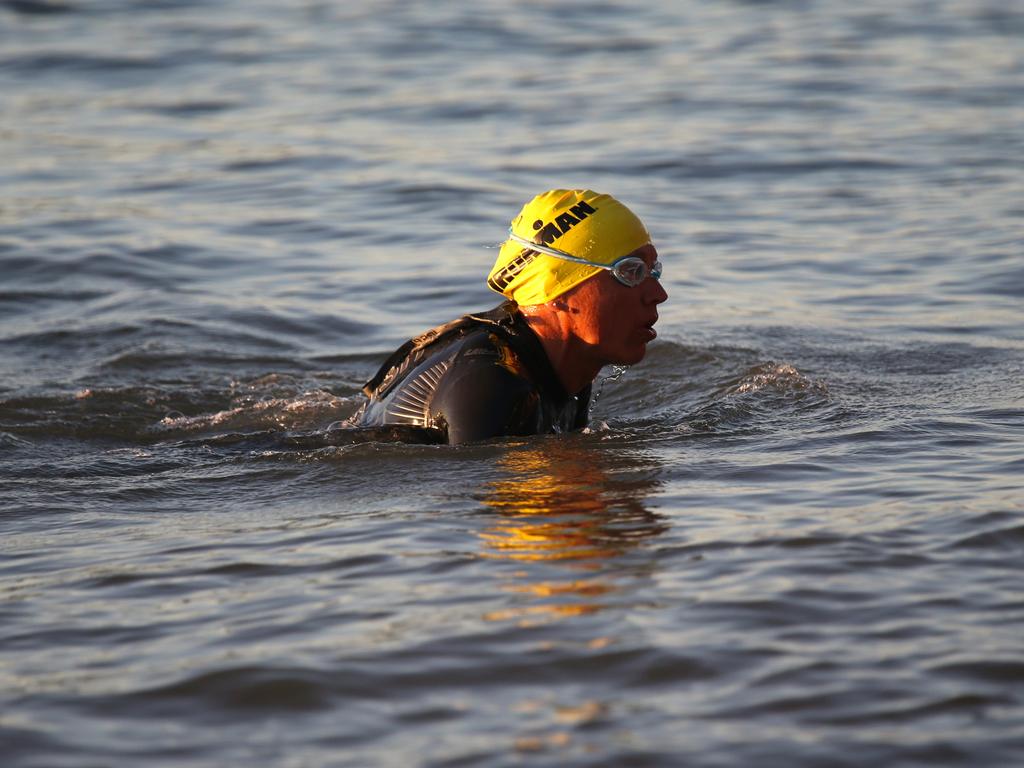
(792, 536)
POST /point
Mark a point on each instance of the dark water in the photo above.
(793, 535)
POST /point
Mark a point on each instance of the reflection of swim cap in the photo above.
(580, 222)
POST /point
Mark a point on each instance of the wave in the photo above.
(683, 389)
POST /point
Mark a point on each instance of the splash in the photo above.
(305, 410)
(615, 375)
(780, 377)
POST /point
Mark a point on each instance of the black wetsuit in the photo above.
(481, 376)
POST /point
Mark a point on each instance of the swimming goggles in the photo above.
(629, 270)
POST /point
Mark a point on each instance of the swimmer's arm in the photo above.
(483, 402)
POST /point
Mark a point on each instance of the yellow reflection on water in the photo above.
(564, 502)
(563, 518)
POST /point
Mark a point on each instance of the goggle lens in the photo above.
(632, 270)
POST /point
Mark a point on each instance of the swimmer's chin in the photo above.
(634, 357)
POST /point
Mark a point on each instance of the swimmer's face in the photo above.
(616, 322)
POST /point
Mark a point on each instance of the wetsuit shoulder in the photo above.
(482, 376)
(485, 393)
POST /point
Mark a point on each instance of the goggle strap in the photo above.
(516, 265)
(547, 249)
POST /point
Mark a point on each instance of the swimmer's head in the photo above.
(577, 223)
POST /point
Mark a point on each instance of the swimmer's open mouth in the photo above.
(649, 327)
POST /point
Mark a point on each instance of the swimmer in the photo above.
(581, 282)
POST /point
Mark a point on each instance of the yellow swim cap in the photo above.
(579, 222)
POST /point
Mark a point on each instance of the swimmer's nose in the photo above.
(656, 293)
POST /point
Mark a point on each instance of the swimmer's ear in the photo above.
(566, 305)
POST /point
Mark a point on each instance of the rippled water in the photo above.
(792, 535)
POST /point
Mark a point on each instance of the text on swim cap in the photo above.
(551, 231)
(547, 233)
